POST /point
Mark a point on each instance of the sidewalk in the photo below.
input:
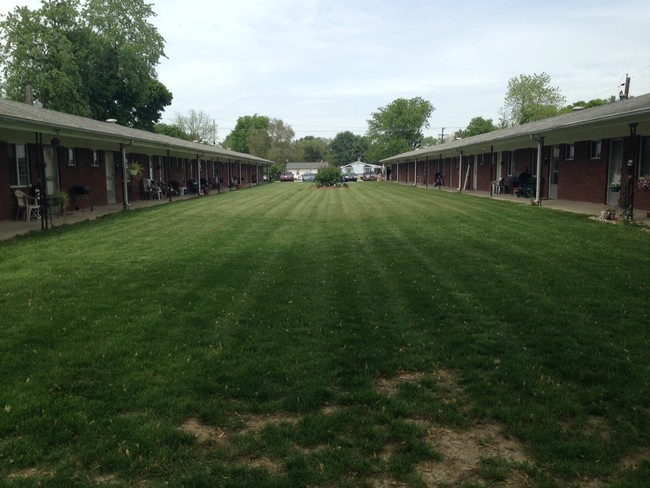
(12, 228)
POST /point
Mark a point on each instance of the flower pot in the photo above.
(615, 189)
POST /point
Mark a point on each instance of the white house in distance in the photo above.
(299, 169)
(360, 168)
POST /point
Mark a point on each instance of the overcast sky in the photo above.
(324, 66)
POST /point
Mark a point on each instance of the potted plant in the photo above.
(60, 199)
(615, 184)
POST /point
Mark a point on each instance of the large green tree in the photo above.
(529, 98)
(280, 141)
(313, 149)
(398, 127)
(250, 135)
(94, 58)
(476, 126)
(347, 147)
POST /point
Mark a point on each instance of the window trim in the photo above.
(72, 157)
(596, 149)
(95, 161)
(569, 152)
(21, 180)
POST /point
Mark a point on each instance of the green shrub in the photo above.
(328, 176)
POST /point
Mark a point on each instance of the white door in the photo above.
(51, 170)
(111, 196)
(615, 166)
(554, 171)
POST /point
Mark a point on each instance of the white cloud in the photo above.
(324, 67)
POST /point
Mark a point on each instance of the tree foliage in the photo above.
(198, 126)
(596, 102)
(347, 147)
(398, 127)
(250, 135)
(529, 98)
(280, 141)
(94, 58)
(171, 130)
(476, 126)
(313, 149)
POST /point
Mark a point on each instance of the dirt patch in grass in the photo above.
(256, 423)
(204, 433)
(31, 473)
(390, 386)
(631, 463)
(462, 450)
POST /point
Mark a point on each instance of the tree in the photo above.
(397, 128)
(347, 147)
(250, 130)
(476, 126)
(313, 149)
(95, 58)
(171, 130)
(530, 98)
(429, 141)
(198, 126)
(596, 102)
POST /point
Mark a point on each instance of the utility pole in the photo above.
(442, 135)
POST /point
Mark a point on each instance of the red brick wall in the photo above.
(584, 179)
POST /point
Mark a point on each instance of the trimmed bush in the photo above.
(328, 176)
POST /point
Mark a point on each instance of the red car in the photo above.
(286, 176)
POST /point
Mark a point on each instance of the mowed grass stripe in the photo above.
(284, 300)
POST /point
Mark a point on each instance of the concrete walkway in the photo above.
(12, 228)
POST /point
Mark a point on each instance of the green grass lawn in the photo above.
(284, 336)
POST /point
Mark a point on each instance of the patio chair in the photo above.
(149, 190)
(28, 206)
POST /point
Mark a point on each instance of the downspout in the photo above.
(493, 176)
(198, 169)
(216, 176)
(538, 180)
(631, 168)
(460, 172)
(169, 176)
(42, 182)
(426, 173)
(415, 172)
(125, 187)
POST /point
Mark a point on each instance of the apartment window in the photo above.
(72, 159)
(569, 152)
(644, 159)
(595, 149)
(18, 165)
(511, 163)
(533, 163)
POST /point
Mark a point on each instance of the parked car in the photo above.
(286, 176)
(307, 177)
(369, 176)
(349, 177)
